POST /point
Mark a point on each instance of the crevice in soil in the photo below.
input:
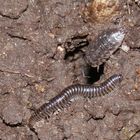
(94, 74)
(14, 17)
(138, 131)
(22, 124)
(18, 37)
(12, 125)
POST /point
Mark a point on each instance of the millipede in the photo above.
(104, 46)
(70, 93)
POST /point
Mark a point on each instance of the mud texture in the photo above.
(42, 45)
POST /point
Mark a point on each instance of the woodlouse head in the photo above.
(116, 37)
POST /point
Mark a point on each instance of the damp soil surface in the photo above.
(42, 44)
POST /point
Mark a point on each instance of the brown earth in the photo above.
(42, 44)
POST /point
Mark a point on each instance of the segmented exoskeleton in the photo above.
(104, 46)
(67, 95)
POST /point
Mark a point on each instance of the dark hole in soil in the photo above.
(94, 74)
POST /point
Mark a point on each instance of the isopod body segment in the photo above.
(104, 46)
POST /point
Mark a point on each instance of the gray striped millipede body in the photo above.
(64, 99)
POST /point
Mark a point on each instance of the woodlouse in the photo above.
(67, 95)
(105, 45)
